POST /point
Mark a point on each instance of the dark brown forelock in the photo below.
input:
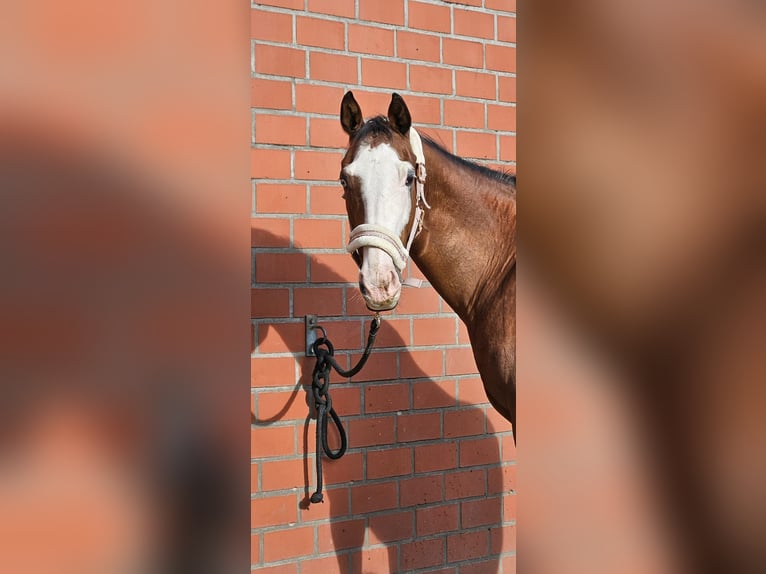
(374, 132)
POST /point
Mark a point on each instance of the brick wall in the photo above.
(428, 482)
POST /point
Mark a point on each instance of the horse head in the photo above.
(382, 175)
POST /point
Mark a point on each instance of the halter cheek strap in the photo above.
(370, 235)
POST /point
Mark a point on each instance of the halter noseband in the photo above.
(371, 235)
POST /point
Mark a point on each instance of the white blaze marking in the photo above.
(385, 196)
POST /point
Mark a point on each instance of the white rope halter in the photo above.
(371, 235)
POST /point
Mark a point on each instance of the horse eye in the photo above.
(410, 179)
(343, 182)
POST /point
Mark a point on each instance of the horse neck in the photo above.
(468, 235)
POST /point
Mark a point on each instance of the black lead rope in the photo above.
(320, 385)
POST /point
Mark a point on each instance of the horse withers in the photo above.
(407, 196)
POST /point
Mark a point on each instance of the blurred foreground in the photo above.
(642, 296)
(124, 258)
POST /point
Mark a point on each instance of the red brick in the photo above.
(501, 118)
(333, 68)
(467, 545)
(501, 58)
(462, 53)
(389, 12)
(509, 507)
(284, 544)
(280, 130)
(421, 426)
(327, 200)
(346, 469)
(479, 451)
(393, 333)
(269, 232)
(465, 2)
(272, 372)
(269, 303)
(437, 519)
(317, 165)
(340, 535)
(389, 463)
(428, 17)
(321, 33)
(430, 79)
(371, 431)
(336, 503)
(379, 367)
(422, 554)
(375, 559)
(443, 137)
(333, 268)
(345, 335)
(419, 364)
(503, 539)
(273, 511)
(489, 566)
(424, 110)
(281, 338)
(255, 549)
(436, 457)
(384, 74)
(474, 23)
(464, 422)
(381, 398)
(464, 114)
(509, 564)
(509, 447)
(415, 46)
(501, 479)
(347, 400)
(318, 99)
(385, 528)
(271, 26)
(279, 569)
(508, 148)
(460, 361)
(345, 8)
(280, 268)
(280, 61)
(327, 133)
(373, 497)
(484, 512)
(339, 564)
(282, 406)
(497, 423)
(421, 490)
(475, 84)
(418, 301)
(506, 29)
(271, 94)
(501, 5)
(465, 484)
(280, 198)
(433, 394)
(434, 331)
(317, 233)
(282, 474)
(294, 4)
(321, 301)
(270, 163)
(480, 145)
(471, 392)
(370, 40)
(507, 85)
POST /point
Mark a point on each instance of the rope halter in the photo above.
(371, 235)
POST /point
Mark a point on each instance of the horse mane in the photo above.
(504, 177)
(378, 126)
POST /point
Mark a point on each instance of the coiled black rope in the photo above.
(320, 385)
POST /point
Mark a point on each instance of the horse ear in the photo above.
(350, 114)
(399, 115)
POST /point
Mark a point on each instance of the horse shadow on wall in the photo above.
(423, 483)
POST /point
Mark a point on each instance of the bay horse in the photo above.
(457, 221)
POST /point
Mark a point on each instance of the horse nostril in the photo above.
(363, 289)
